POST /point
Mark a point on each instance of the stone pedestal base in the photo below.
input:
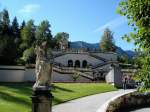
(41, 100)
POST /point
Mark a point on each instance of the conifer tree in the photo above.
(107, 42)
(23, 24)
(15, 28)
(5, 22)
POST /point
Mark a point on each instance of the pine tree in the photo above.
(1, 24)
(8, 49)
(107, 42)
(21, 47)
(16, 35)
(15, 28)
(23, 24)
(5, 22)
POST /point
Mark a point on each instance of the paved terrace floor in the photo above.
(89, 103)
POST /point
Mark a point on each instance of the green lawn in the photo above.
(16, 97)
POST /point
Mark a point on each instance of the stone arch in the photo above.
(70, 63)
(77, 63)
(84, 64)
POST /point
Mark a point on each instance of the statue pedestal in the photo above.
(41, 100)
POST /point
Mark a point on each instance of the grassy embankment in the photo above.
(16, 97)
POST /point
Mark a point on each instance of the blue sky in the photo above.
(84, 20)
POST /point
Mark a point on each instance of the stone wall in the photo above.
(110, 76)
(118, 76)
(22, 74)
(114, 76)
(29, 75)
(132, 100)
(12, 73)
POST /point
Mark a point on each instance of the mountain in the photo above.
(119, 50)
(81, 44)
(131, 53)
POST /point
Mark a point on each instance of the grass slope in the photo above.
(16, 97)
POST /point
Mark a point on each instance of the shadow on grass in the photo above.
(57, 101)
(11, 98)
(25, 89)
(61, 88)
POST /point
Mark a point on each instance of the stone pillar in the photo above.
(42, 100)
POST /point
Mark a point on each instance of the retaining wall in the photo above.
(23, 74)
(132, 100)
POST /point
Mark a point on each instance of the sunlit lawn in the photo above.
(16, 97)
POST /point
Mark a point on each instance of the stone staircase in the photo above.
(59, 54)
(66, 70)
(103, 64)
(58, 64)
(86, 75)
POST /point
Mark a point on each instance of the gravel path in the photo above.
(87, 104)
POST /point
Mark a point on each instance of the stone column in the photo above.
(42, 100)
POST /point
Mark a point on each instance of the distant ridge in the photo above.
(119, 50)
(81, 44)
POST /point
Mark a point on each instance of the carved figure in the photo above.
(43, 67)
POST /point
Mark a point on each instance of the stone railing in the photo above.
(69, 70)
(63, 68)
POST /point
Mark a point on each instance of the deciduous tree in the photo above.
(138, 14)
(28, 35)
(43, 33)
(59, 36)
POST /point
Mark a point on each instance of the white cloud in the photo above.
(29, 8)
(115, 23)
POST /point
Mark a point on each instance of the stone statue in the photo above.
(64, 41)
(43, 67)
